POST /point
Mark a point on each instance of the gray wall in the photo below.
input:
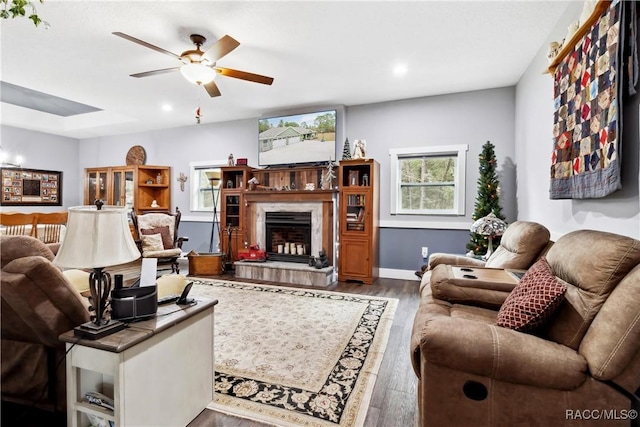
(471, 118)
(466, 118)
(617, 213)
(49, 152)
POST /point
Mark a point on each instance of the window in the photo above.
(428, 180)
(201, 194)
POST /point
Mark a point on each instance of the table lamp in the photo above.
(97, 237)
(490, 226)
(214, 180)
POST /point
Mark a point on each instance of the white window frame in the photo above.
(460, 151)
(194, 167)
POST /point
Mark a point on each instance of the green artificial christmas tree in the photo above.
(346, 151)
(487, 200)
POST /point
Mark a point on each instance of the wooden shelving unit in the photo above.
(358, 221)
(568, 45)
(232, 210)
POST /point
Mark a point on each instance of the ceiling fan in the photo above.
(200, 67)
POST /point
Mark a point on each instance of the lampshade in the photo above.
(96, 238)
(214, 177)
(198, 73)
(489, 225)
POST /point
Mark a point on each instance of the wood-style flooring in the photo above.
(394, 399)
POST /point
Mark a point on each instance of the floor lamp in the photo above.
(214, 181)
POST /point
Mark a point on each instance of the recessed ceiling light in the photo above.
(167, 107)
(400, 70)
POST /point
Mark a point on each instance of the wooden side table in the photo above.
(159, 372)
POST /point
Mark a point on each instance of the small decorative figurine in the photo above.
(554, 48)
(231, 162)
(360, 149)
(322, 261)
(252, 183)
(154, 204)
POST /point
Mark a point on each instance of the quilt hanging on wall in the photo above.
(585, 162)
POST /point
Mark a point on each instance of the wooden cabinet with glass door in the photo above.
(136, 187)
(232, 211)
(96, 185)
(358, 221)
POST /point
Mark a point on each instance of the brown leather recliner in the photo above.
(38, 304)
(522, 244)
(585, 363)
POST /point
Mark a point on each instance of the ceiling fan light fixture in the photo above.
(198, 73)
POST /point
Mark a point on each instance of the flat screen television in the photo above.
(305, 138)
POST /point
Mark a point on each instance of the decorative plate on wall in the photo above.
(136, 155)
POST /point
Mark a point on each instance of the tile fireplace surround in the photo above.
(321, 205)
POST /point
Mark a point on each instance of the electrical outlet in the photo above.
(425, 252)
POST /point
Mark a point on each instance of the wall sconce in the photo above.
(6, 162)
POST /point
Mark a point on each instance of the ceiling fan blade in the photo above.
(145, 44)
(220, 48)
(155, 72)
(237, 74)
(212, 89)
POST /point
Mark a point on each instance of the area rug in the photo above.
(296, 357)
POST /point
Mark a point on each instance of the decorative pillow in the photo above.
(533, 301)
(167, 241)
(152, 243)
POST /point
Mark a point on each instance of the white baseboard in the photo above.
(390, 273)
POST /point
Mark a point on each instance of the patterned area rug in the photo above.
(296, 357)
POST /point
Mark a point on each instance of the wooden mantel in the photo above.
(291, 196)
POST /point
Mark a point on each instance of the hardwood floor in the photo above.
(394, 400)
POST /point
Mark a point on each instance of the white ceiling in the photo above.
(321, 53)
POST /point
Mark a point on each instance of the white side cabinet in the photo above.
(159, 372)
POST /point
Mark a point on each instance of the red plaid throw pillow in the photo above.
(533, 301)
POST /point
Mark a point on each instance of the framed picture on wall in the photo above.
(30, 187)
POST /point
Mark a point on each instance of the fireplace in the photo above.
(288, 236)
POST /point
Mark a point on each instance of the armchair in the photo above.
(472, 372)
(38, 303)
(521, 245)
(158, 236)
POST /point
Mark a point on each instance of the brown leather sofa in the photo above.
(38, 303)
(584, 365)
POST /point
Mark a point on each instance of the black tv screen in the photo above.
(297, 138)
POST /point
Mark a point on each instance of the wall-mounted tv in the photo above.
(297, 138)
